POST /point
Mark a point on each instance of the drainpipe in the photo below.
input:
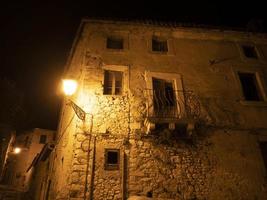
(87, 168)
(91, 196)
(87, 160)
(124, 174)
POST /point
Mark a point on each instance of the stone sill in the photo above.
(254, 103)
(116, 50)
(161, 53)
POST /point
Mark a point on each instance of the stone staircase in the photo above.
(9, 193)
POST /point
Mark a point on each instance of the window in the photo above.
(159, 45)
(113, 82)
(250, 87)
(42, 139)
(250, 51)
(164, 101)
(26, 141)
(112, 159)
(263, 148)
(114, 43)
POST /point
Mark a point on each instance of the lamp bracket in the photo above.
(78, 110)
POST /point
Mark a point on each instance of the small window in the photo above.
(250, 87)
(159, 45)
(263, 148)
(114, 43)
(112, 159)
(250, 51)
(26, 141)
(113, 82)
(42, 139)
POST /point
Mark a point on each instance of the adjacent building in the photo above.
(162, 111)
(25, 148)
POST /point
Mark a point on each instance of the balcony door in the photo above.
(164, 98)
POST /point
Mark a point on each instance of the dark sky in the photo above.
(36, 38)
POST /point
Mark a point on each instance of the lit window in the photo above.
(112, 159)
(159, 45)
(250, 87)
(250, 51)
(42, 139)
(114, 43)
(113, 82)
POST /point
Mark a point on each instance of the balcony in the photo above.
(172, 106)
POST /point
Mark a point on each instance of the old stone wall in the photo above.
(220, 161)
(205, 169)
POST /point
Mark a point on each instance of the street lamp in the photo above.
(17, 150)
(69, 88)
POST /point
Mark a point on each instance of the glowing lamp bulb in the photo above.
(17, 150)
(69, 86)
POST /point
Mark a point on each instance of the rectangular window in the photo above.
(250, 51)
(42, 139)
(114, 43)
(113, 82)
(250, 87)
(112, 159)
(164, 101)
(159, 45)
(26, 142)
(263, 148)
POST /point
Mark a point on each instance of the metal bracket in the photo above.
(78, 111)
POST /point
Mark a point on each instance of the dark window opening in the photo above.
(250, 87)
(250, 51)
(164, 101)
(161, 126)
(26, 141)
(149, 194)
(113, 82)
(42, 139)
(114, 43)
(263, 148)
(112, 157)
(159, 45)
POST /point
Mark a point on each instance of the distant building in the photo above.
(30, 144)
(7, 138)
(173, 112)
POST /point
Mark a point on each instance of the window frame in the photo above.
(40, 138)
(112, 74)
(158, 40)
(114, 38)
(262, 139)
(250, 59)
(255, 84)
(124, 35)
(253, 48)
(261, 85)
(175, 78)
(108, 166)
(125, 78)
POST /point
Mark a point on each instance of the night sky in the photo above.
(35, 39)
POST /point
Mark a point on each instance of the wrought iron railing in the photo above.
(172, 104)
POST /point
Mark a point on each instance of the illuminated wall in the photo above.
(119, 152)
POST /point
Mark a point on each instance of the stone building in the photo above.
(162, 111)
(30, 143)
(7, 137)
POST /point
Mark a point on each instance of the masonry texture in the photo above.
(208, 149)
